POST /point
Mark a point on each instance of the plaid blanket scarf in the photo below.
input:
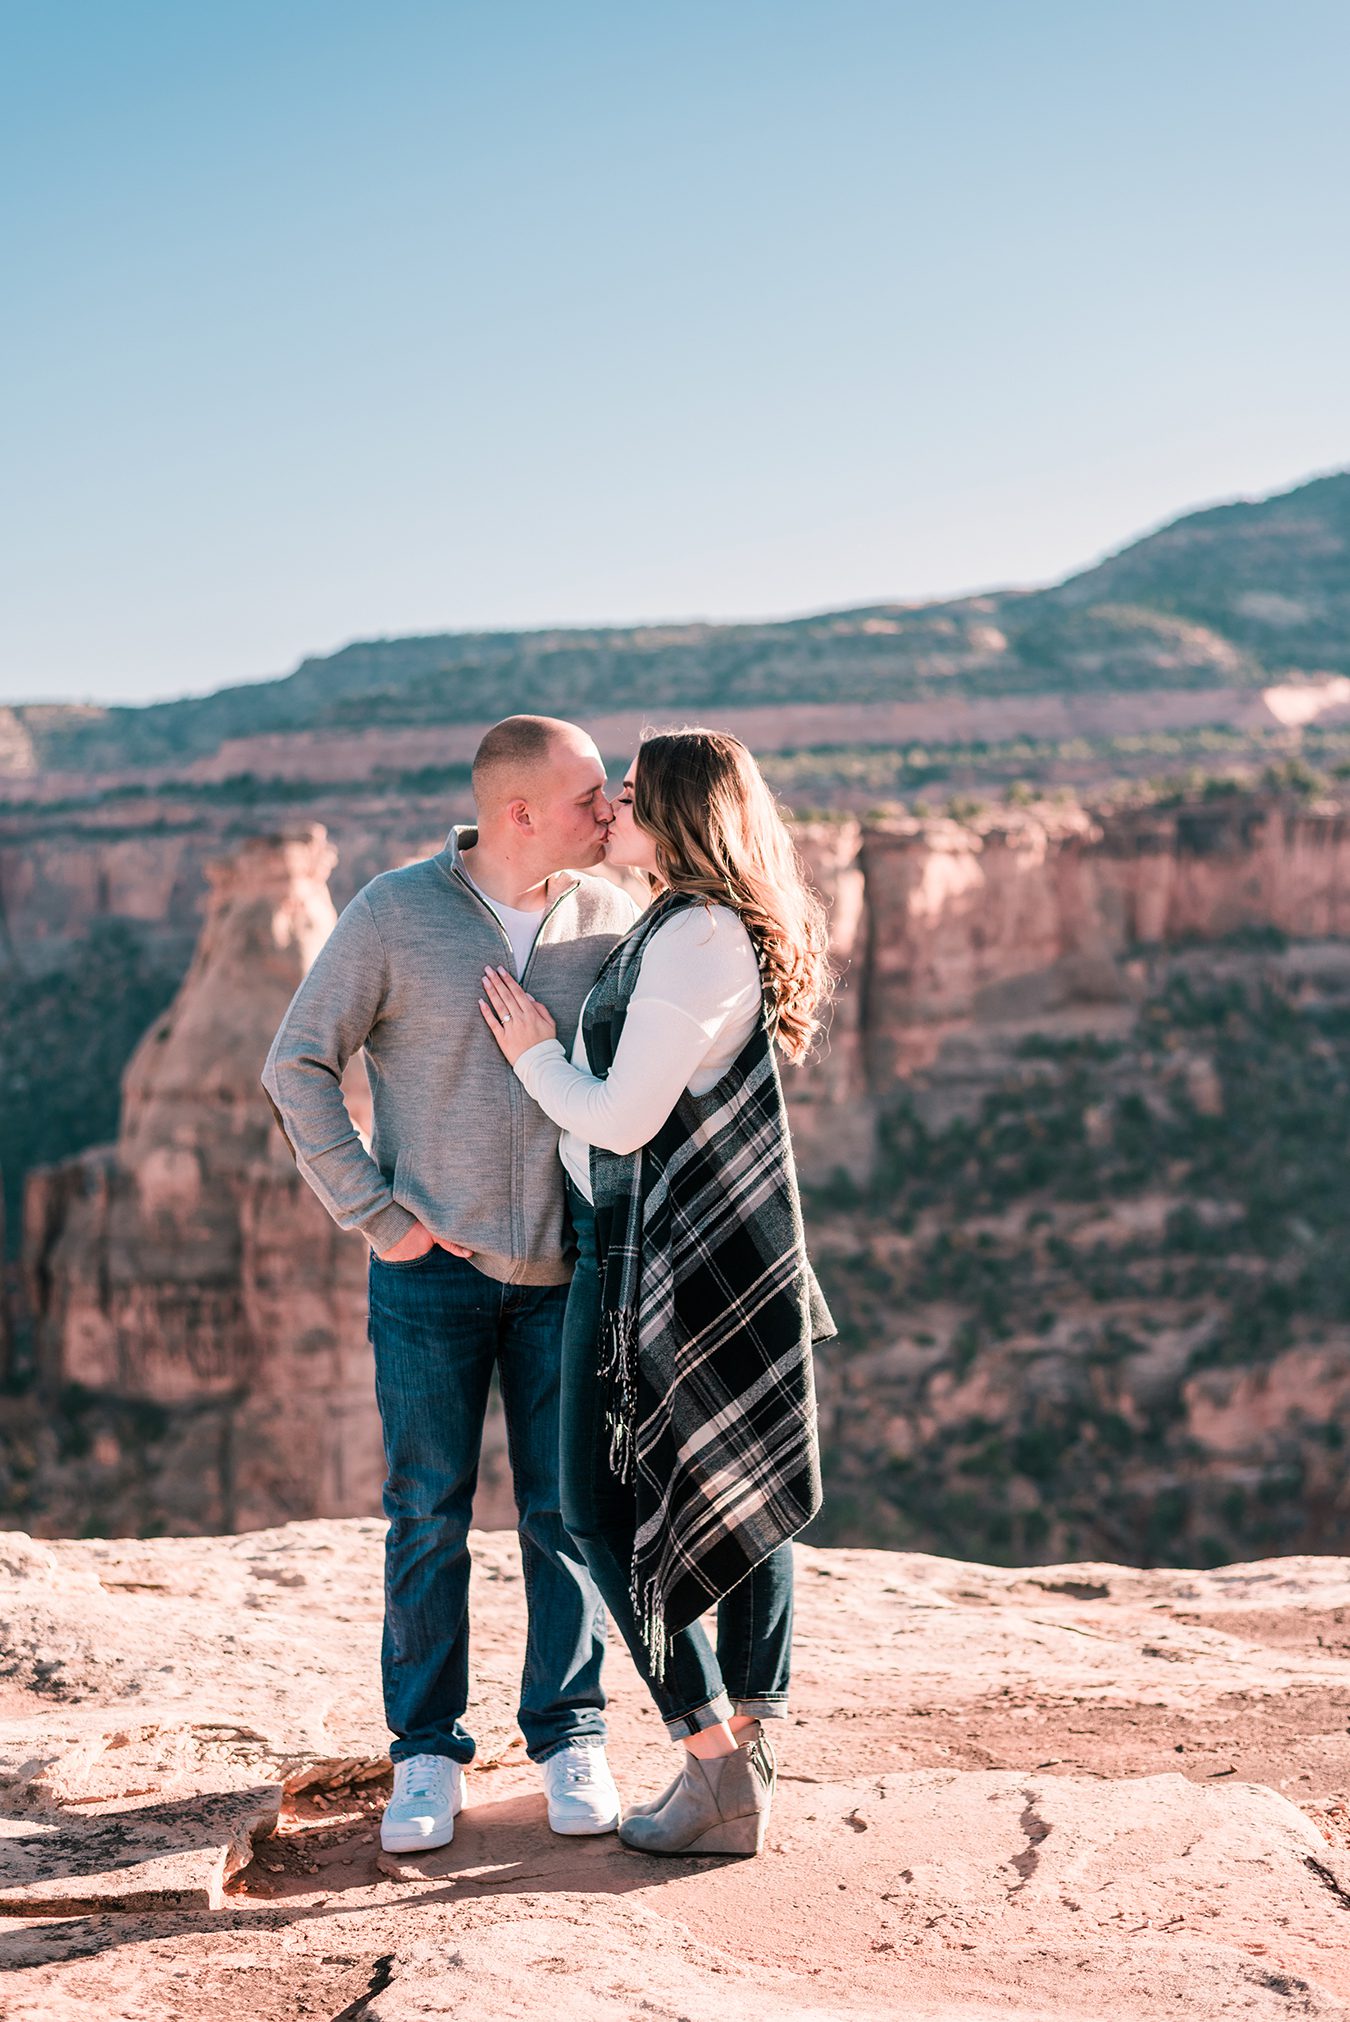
(708, 1312)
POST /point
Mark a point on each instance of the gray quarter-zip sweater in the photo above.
(457, 1144)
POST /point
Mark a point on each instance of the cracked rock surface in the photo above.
(1067, 1792)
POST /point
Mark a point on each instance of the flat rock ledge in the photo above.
(1069, 1792)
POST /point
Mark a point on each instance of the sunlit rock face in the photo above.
(957, 911)
(944, 930)
(188, 1265)
(1206, 870)
(190, 1094)
(833, 1115)
(187, 1274)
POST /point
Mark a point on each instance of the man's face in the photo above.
(568, 809)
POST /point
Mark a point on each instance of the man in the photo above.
(460, 1198)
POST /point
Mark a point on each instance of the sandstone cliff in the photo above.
(939, 925)
(187, 1267)
(1069, 1151)
(1093, 1287)
(953, 934)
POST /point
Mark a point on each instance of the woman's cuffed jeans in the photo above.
(438, 1327)
(749, 1672)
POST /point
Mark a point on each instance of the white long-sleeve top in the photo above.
(695, 1003)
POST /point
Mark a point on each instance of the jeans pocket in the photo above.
(404, 1263)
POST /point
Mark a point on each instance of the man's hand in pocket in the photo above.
(416, 1244)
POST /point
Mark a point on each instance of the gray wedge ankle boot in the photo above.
(753, 1738)
(654, 1804)
(717, 1807)
(761, 1750)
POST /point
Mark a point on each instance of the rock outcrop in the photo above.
(1202, 870)
(1049, 1795)
(1035, 918)
(957, 910)
(188, 1267)
(188, 1271)
(833, 1110)
(944, 931)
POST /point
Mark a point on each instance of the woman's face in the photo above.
(628, 844)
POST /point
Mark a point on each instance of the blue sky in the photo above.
(327, 320)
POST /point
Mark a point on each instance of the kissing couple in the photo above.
(580, 1174)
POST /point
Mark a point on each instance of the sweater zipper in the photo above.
(515, 1096)
(544, 919)
(544, 916)
(479, 900)
(548, 913)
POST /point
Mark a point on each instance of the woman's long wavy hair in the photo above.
(719, 836)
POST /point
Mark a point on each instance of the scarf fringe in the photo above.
(649, 1607)
(618, 1367)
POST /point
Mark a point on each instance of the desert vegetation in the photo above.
(1072, 1307)
(71, 1017)
(1230, 598)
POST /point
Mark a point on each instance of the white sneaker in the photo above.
(428, 1797)
(581, 1794)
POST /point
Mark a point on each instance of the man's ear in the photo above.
(518, 814)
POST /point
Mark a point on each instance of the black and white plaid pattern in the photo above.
(708, 1312)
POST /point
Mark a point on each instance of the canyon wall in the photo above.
(63, 871)
(1014, 918)
(188, 1267)
(187, 1273)
(929, 916)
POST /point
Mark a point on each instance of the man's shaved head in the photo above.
(539, 784)
(513, 753)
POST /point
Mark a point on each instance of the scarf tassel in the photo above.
(650, 1610)
(618, 1367)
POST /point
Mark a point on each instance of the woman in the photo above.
(689, 1454)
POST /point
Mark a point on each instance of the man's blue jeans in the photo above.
(437, 1327)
